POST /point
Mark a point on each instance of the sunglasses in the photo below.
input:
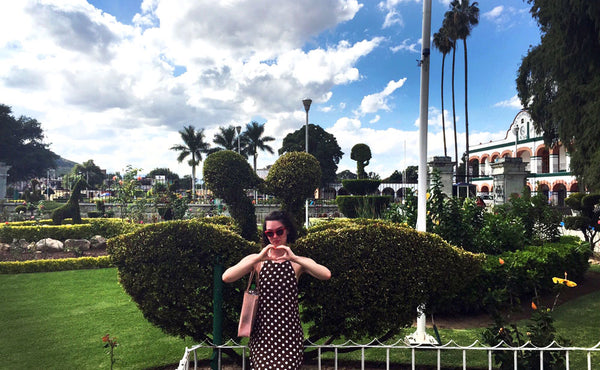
(271, 233)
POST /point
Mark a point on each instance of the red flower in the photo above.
(501, 261)
(105, 338)
(533, 305)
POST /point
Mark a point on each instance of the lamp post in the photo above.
(306, 103)
(238, 129)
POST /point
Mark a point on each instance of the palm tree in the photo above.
(444, 45)
(254, 141)
(464, 17)
(225, 139)
(194, 145)
(448, 25)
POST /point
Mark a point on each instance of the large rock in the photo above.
(77, 244)
(50, 245)
(4, 247)
(98, 242)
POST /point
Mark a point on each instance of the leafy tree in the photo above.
(321, 144)
(361, 153)
(170, 176)
(395, 177)
(22, 147)
(559, 82)
(345, 175)
(90, 171)
(194, 146)
(228, 175)
(293, 178)
(412, 174)
(255, 141)
(588, 219)
(444, 45)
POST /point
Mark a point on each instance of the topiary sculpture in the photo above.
(71, 208)
(361, 153)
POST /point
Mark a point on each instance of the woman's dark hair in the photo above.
(286, 220)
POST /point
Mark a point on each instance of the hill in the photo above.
(63, 166)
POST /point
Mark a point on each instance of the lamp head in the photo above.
(238, 129)
(306, 103)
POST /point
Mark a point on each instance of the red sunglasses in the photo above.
(271, 233)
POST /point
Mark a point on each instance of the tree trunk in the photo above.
(443, 119)
(454, 107)
(466, 119)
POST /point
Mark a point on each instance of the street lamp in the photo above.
(238, 129)
(306, 103)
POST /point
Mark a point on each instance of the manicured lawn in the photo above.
(56, 321)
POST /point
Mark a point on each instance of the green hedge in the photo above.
(361, 186)
(523, 273)
(381, 272)
(107, 227)
(167, 268)
(353, 206)
(59, 264)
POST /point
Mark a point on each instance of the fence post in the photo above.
(217, 311)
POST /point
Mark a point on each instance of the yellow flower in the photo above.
(569, 283)
(427, 196)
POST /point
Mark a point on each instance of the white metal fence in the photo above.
(191, 360)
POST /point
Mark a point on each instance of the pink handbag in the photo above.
(249, 306)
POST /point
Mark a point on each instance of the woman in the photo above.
(277, 337)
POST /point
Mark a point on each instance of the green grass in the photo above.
(56, 321)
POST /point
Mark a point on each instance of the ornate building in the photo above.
(547, 167)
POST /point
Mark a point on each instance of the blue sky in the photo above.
(114, 81)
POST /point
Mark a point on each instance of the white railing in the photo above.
(190, 358)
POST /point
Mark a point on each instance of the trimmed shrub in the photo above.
(381, 272)
(292, 179)
(361, 186)
(361, 153)
(353, 206)
(58, 264)
(167, 268)
(107, 227)
(228, 175)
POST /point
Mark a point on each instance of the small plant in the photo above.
(110, 343)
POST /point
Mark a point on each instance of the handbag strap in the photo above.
(250, 280)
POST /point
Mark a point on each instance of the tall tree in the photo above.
(444, 45)
(225, 139)
(321, 144)
(93, 174)
(255, 141)
(193, 146)
(465, 16)
(559, 82)
(22, 147)
(452, 33)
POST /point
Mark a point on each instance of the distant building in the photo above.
(547, 167)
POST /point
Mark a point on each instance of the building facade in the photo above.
(547, 168)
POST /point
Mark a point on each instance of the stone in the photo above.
(98, 242)
(77, 244)
(50, 245)
(4, 247)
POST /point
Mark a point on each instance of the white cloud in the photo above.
(375, 119)
(406, 45)
(513, 102)
(505, 17)
(379, 101)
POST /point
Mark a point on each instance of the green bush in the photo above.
(21, 208)
(167, 269)
(107, 227)
(361, 186)
(523, 273)
(292, 179)
(353, 206)
(381, 272)
(58, 264)
(228, 175)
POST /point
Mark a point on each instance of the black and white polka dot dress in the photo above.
(277, 337)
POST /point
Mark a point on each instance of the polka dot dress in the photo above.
(276, 339)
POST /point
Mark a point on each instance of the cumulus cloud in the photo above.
(379, 101)
(505, 17)
(406, 45)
